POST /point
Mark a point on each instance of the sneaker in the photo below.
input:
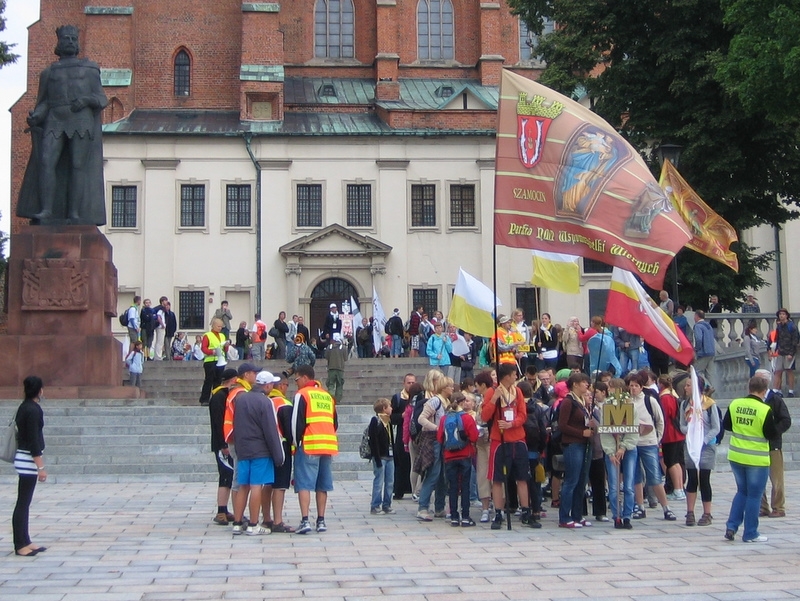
(601, 518)
(534, 523)
(705, 520)
(282, 528)
(680, 495)
(518, 512)
(758, 539)
(585, 523)
(304, 527)
(455, 522)
(237, 528)
(467, 522)
(389, 511)
(669, 515)
(257, 530)
(791, 395)
(618, 524)
(476, 503)
(730, 534)
(440, 514)
(690, 521)
(525, 516)
(375, 511)
(639, 513)
(485, 516)
(321, 525)
(424, 516)
(415, 497)
(221, 519)
(570, 525)
(626, 524)
(497, 522)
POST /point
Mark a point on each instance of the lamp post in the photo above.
(671, 153)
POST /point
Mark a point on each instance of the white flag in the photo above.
(357, 317)
(378, 322)
(695, 433)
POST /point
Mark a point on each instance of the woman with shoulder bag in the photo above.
(29, 463)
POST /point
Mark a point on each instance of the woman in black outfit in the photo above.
(28, 462)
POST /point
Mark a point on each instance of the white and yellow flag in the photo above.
(556, 271)
(473, 306)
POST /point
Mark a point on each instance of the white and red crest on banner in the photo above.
(533, 121)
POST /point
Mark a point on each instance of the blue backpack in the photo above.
(455, 438)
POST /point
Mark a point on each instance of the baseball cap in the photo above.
(229, 373)
(247, 366)
(266, 377)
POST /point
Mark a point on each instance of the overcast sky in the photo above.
(19, 15)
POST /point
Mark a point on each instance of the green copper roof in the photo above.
(227, 123)
(261, 73)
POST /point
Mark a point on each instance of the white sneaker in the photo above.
(484, 516)
(680, 495)
(257, 530)
(237, 529)
(760, 539)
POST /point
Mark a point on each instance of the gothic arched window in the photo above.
(183, 67)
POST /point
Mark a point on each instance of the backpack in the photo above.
(455, 438)
(123, 318)
(414, 428)
(534, 433)
(388, 328)
(721, 433)
(364, 450)
(555, 432)
(363, 335)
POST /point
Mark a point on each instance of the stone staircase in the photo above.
(160, 439)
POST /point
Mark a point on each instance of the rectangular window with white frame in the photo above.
(359, 205)
(423, 205)
(309, 205)
(463, 206)
(124, 206)
(238, 205)
(193, 206)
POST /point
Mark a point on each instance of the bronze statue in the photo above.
(63, 182)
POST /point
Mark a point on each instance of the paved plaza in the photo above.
(150, 541)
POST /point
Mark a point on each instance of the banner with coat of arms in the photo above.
(567, 182)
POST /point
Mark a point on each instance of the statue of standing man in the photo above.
(63, 183)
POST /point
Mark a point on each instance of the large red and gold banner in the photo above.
(567, 182)
(711, 234)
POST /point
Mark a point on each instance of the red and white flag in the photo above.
(631, 308)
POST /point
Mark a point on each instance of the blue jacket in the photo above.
(704, 339)
(603, 353)
(439, 345)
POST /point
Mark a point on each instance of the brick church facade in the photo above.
(283, 155)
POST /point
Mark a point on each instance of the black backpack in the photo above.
(534, 427)
(123, 318)
(414, 428)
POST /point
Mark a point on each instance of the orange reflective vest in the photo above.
(230, 407)
(507, 338)
(278, 401)
(319, 437)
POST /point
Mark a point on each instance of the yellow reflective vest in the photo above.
(748, 444)
(319, 437)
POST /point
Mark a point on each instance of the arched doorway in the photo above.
(332, 290)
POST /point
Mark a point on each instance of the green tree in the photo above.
(6, 56)
(650, 69)
(762, 64)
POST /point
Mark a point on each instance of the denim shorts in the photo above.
(648, 459)
(256, 472)
(312, 472)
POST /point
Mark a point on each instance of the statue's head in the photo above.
(67, 41)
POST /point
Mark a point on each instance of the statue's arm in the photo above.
(37, 115)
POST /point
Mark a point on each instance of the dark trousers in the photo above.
(19, 520)
(458, 473)
(213, 378)
(534, 487)
(597, 480)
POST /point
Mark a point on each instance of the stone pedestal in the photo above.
(62, 294)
